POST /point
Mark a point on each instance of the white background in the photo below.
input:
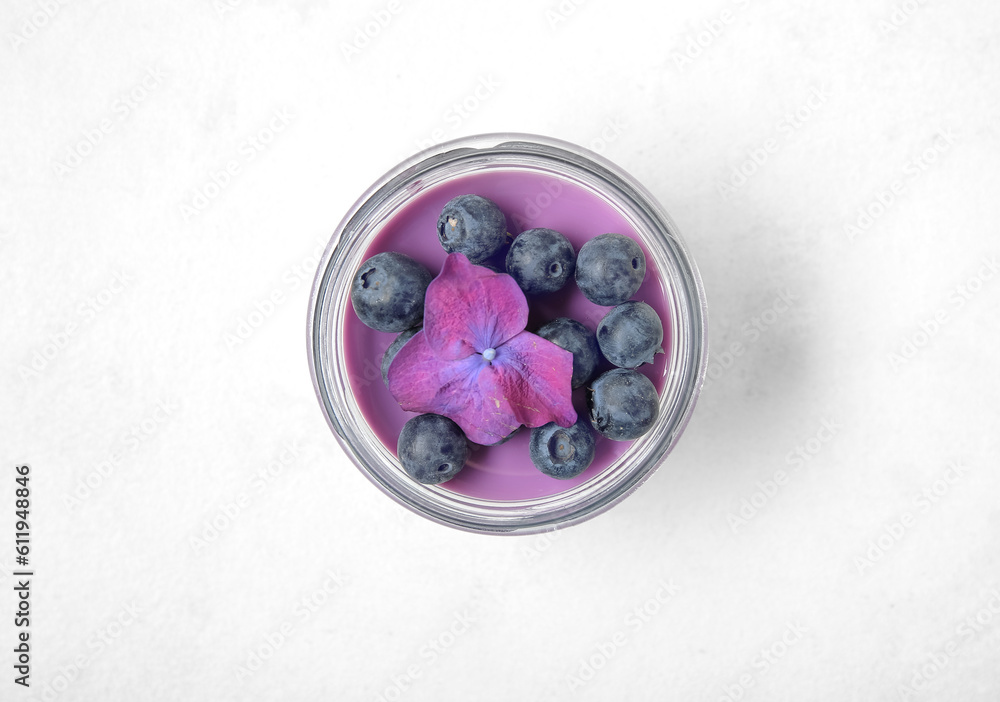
(146, 423)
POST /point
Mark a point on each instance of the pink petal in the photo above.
(422, 382)
(469, 309)
(532, 376)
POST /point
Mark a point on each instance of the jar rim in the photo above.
(327, 308)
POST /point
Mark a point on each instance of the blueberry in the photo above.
(562, 452)
(394, 347)
(432, 448)
(623, 404)
(472, 225)
(630, 334)
(492, 266)
(569, 334)
(610, 269)
(541, 261)
(388, 292)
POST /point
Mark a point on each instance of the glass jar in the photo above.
(685, 344)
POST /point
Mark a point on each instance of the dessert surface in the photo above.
(530, 201)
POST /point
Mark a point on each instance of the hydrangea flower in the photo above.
(474, 363)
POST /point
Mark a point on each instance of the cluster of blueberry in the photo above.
(388, 295)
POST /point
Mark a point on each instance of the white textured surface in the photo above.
(537, 606)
